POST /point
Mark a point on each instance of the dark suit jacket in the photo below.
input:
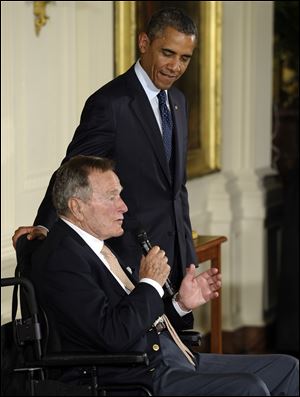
(92, 311)
(118, 122)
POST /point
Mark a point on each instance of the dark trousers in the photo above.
(225, 374)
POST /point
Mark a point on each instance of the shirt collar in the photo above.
(93, 242)
(146, 82)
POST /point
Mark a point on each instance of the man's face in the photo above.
(166, 58)
(102, 214)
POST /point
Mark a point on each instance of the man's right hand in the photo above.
(32, 232)
(155, 266)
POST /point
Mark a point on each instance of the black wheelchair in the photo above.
(27, 367)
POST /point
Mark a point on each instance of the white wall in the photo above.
(45, 81)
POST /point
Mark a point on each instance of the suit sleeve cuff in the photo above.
(154, 284)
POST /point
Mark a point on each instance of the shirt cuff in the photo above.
(43, 227)
(178, 308)
(154, 284)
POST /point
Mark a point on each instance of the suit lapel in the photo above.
(178, 131)
(127, 272)
(143, 111)
(66, 229)
(107, 273)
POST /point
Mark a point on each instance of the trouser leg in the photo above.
(231, 375)
(280, 373)
(176, 382)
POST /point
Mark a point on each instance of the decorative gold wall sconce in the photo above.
(39, 11)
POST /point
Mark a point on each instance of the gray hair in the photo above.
(170, 17)
(72, 180)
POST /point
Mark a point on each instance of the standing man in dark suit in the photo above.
(146, 136)
(98, 306)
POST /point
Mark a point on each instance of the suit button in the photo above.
(155, 347)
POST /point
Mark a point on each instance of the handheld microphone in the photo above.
(146, 247)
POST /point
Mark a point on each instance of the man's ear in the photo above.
(76, 208)
(144, 42)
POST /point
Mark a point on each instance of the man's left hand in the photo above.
(195, 290)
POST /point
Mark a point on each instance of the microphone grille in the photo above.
(141, 235)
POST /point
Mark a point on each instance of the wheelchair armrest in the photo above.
(90, 359)
(190, 337)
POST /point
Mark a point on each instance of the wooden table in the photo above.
(209, 248)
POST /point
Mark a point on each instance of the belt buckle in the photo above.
(159, 325)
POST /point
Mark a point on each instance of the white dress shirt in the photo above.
(151, 92)
(96, 245)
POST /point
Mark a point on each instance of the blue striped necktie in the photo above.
(166, 122)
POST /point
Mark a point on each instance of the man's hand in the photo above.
(32, 232)
(196, 290)
(155, 266)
